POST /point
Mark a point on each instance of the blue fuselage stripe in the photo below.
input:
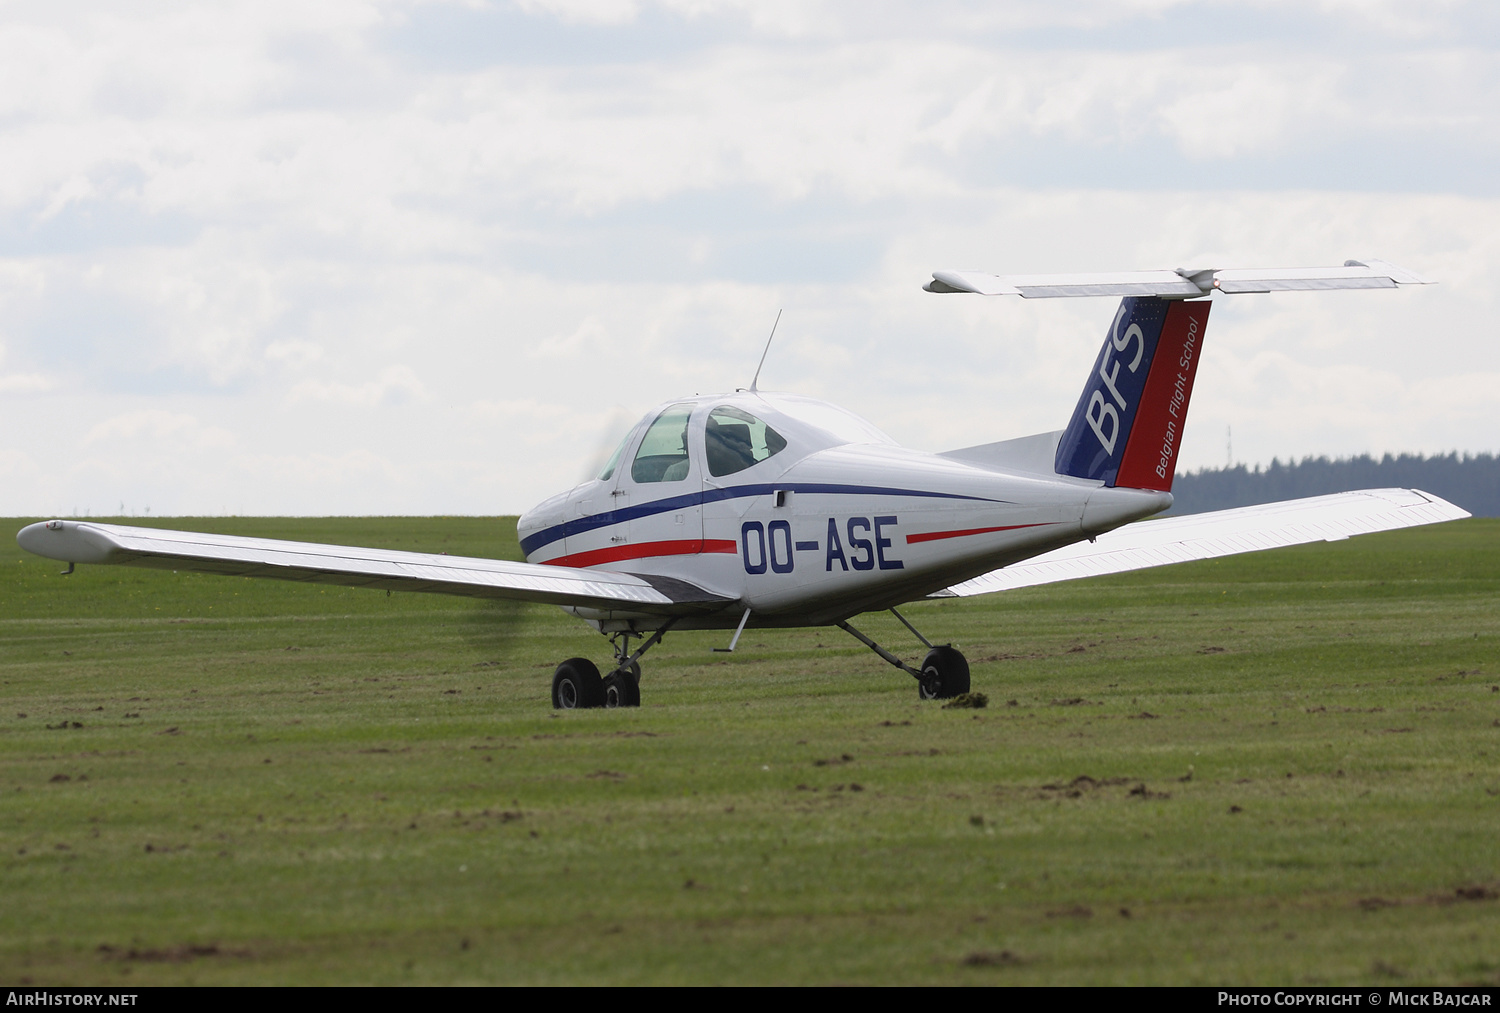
(547, 536)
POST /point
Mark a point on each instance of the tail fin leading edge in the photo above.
(1127, 427)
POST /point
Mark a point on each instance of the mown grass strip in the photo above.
(1275, 768)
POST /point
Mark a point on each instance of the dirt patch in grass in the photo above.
(991, 958)
(171, 955)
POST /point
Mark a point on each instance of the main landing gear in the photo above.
(577, 682)
(944, 672)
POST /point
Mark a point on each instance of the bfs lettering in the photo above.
(1103, 416)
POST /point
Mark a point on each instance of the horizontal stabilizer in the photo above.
(195, 552)
(1183, 283)
(1221, 533)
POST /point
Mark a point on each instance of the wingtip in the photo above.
(32, 537)
(1400, 275)
(940, 287)
(68, 541)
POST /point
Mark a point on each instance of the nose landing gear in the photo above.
(576, 683)
(623, 688)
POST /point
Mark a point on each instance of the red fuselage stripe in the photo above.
(933, 536)
(615, 553)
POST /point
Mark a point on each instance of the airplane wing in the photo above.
(1183, 283)
(195, 552)
(1220, 533)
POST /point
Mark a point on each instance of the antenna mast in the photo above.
(764, 353)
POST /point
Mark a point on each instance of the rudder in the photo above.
(1127, 427)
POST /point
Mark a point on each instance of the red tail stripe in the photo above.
(615, 553)
(932, 536)
(1150, 457)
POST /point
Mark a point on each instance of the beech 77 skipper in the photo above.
(758, 509)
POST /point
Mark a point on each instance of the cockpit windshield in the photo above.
(735, 440)
(663, 454)
(614, 459)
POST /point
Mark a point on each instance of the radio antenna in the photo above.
(763, 354)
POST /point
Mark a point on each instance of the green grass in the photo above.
(1292, 764)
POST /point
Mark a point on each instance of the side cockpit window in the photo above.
(735, 440)
(663, 455)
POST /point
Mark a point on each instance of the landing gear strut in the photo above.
(577, 683)
(944, 672)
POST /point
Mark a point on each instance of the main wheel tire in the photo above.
(623, 689)
(576, 684)
(945, 674)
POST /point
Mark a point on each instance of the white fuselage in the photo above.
(839, 521)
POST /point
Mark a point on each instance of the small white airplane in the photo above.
(757, 509)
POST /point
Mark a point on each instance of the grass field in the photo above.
(1281, 768)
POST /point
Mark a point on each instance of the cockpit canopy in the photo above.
(733, 438)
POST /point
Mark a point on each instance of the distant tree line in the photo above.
(1470, 481)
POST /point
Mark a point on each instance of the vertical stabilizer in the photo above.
(1128, 425)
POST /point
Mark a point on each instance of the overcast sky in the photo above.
(356, 257)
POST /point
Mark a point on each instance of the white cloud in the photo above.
(295, 354)
(24, 383)
(283, 254)
(230, 141)
(159, 427)
(17, 466)
(586, 12)
(394, 386)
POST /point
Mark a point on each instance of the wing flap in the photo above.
(351, 566)
(1221, 533)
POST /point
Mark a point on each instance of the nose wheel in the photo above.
(623, 688)
(576, 684)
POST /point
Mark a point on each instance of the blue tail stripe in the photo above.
(1094, 443)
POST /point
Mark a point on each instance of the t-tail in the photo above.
(1128, 424)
